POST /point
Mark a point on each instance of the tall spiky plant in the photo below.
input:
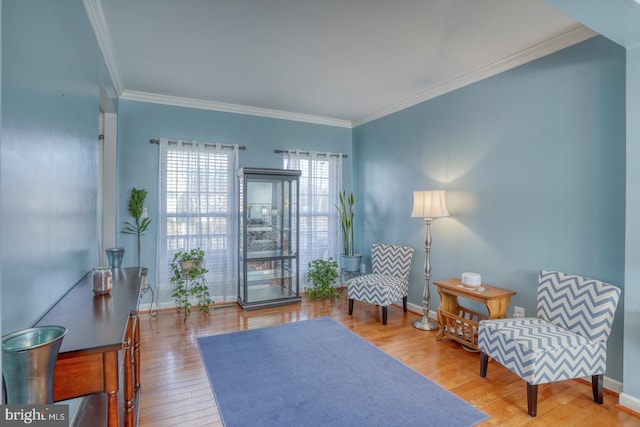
(136, 208)
(345, 208)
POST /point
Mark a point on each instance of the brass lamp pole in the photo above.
(428, 205)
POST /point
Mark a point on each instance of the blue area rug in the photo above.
(318, 373)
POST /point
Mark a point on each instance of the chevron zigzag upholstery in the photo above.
(389, 280)
(567, 340)
(583, 306)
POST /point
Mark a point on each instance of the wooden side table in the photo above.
(461, 324)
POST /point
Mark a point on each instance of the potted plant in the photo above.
(136, 210)
(188, 280)
(190, 261)
(349, 261)
(321, 274)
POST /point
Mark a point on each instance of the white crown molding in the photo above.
(573, 35)
(231, 108)
(103, 36)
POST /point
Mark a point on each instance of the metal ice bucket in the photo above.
(28, 359)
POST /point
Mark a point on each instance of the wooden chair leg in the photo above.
(596, 385)
(384, 315)
(532, 399)
(404, 304)
(350, 306)
(484, 361)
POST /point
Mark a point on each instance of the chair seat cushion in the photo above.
(378, 289)
(540, 352)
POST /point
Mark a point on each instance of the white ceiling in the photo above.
(338, 62)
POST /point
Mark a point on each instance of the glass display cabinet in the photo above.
(268, 220)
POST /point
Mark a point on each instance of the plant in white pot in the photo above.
(349, 260)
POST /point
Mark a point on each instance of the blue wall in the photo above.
(632, 296)
(619, 21)
(51, 76)
(138, 122)
(533, 161)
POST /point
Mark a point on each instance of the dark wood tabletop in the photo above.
(96, 322)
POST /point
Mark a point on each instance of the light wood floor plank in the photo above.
(176, 392)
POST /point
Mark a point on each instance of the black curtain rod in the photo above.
(241, 147)
(306, 152)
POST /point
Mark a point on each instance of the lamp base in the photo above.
(426, 323)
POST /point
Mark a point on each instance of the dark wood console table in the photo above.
(99, 328)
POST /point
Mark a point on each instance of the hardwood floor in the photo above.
(176, 392)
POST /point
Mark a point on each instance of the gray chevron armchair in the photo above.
(389, 280)
(567, 340)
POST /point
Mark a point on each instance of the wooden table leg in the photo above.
(136, 351)
(110, 359)
(128, 372)
(497, 308)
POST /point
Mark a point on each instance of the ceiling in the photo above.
(337, 62)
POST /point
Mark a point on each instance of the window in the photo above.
(198, 210)
(320, 183)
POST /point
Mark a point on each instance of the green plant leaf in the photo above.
(136, 209)
(321, 274)
(345, 208)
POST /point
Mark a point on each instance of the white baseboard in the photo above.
(629, 402)
(612, 385)
(418, 309)
(144, 307)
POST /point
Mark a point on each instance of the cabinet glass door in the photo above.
(271, 280)
(268, 237)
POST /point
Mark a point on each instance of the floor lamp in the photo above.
(428, 205)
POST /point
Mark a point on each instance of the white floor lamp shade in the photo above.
(429, 204)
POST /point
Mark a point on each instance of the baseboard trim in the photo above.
(612, 385)
(419, 311)
(629, 403)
